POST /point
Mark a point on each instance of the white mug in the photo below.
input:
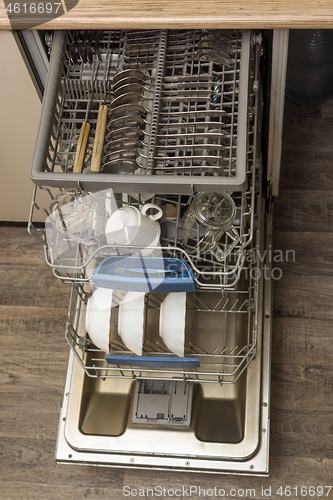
(132, 227)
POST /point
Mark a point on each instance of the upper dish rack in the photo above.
(195, 131)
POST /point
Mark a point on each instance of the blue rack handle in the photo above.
(144, 274)
(152, 361)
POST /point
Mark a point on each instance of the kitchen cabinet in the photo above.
(20, 107)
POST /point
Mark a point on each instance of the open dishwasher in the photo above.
(204, 407)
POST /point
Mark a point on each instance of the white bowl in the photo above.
(131, 321)
(172, 322)
(98, 316)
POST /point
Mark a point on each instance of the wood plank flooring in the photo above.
(33, 354)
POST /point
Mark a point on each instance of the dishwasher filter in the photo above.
(163, 402)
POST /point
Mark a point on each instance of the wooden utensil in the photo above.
(100, 129)
(99, 138)
(81, 148)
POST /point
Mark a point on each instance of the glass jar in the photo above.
(208, 217)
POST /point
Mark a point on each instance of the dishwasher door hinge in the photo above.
(49, 41)
(257, 38)
(250, 304)
(270, 198)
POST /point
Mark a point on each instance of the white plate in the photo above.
(131, 321)
(98, 316)
(172, 322)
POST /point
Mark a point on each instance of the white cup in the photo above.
(132, 227)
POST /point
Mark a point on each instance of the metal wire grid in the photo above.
(221, 363)
(199, 109)
(111, 45)
(223, 358)
(124, 49)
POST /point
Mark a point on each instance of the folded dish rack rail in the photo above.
(196, 111)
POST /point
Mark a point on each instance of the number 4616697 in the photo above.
(304, 491)
(33, 8)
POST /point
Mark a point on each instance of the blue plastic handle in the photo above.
(144, 274)
(152, 361)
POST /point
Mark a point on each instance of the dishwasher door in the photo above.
(225, 426)
(229, 429)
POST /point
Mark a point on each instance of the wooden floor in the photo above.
(33, 354)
